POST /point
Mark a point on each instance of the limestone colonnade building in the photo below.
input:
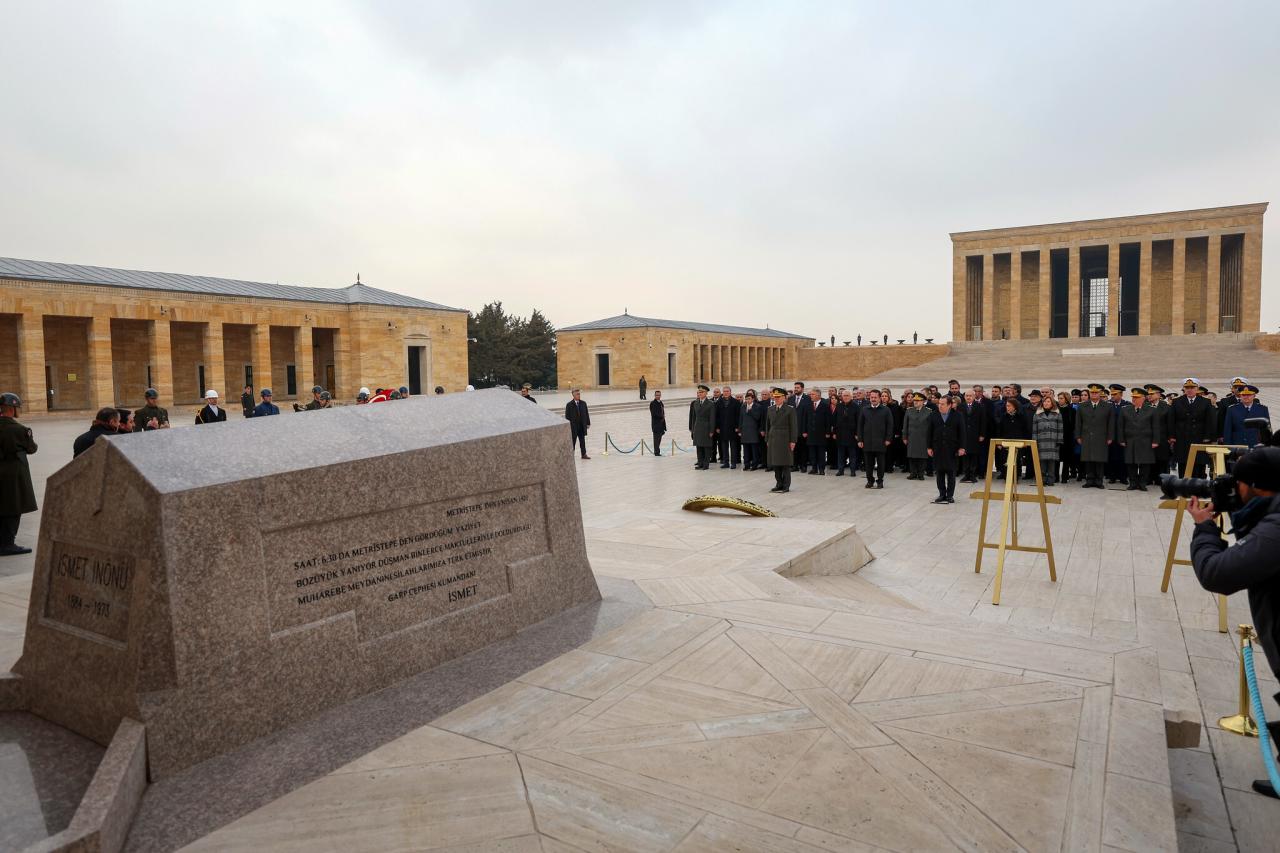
(1177, 273)
(79, 337)
(616, 351)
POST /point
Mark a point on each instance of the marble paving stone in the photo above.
(1254, 818)
(1198, 805)
(1046, 731)
(1095, 715)
(835, 789)
(651, 635)
(594, 814)
(669, 700)
(764, 612)
(585, 674)
(1083, 829)
(1138, 675)
(844, 669)
(754, 724)
(1136, 815)
(515, 715)
(788, 673)
(743, 770)
(1188, 843)
(588, 739)
(716, 835)
(898, 677)
(1136, 744)
(420, 746)
(723, 663)
(474, 800)
(846, 722)
(1025, 797)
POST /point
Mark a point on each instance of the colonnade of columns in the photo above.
(731, 363)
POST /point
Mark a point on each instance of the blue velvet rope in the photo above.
(1260, 717)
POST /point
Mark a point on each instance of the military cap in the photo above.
(1190, 382)
(1248, 389)
(151, 393)
(403, 389)
(324, 395)
(1237, 381)
(1094, 386)
(917, 396)
(1154, 389)
(1137, 392)
(703, 388)
(778, 392)
(9, 398)
(316, 389)
(266, 392)
(1204, 390)
(1116, 386)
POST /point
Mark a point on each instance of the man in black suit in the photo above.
(947, 436)
(728, 413)
(976, 414)
(815, 426)
(579, 418)
(1191, 421)
(657, 421)
(212, 413)
(796, 400)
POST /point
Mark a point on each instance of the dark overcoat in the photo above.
(875, 427)
(1137, 434)
(946, 439)
(207, 415)
(17, 495)
(1191, 422)
(847, 422)
(728, 412)
(702, 422)
(1093, 429)
(814, 421)
(657, 417)
(781, 431)
(751, 422)
(915, 429)
(576, 413)
(975, 425)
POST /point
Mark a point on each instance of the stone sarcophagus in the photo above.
(220, 582)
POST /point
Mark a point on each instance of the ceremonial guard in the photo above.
(1247, 409)
(17, 495)
(212, 413)
(657, 421)
(644, 386)
(314, 405)
(780, 435)
(579, 418)
(946, 442)
(152, 416)
(266, 407)
(1137, 438)
(702, 427)
(728, 413)
(1192, 420)
(875, 435)
(1094, 436)
(751, 425)
(915, 435)
(246, 402)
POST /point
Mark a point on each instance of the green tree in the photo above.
(509, 350)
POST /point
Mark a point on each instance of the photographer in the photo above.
(1253, 562)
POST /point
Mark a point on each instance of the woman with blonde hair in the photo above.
(1046, 429)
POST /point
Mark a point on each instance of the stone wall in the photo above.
(1267, 343)
(9, 353)
(863, 362)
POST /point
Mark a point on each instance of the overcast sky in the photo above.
(790, 163)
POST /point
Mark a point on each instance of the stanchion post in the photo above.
(1243, 722)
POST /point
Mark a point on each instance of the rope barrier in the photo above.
(675, 447)
(610, 442)
(1264, 736)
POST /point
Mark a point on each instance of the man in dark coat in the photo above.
(1225, 404)
(1137, 438)
(644, 386)
(1155, 399)
(1234, 430)
(1094, 435)
(896, 456)
(728, 413)
(105, 422)
(751, 425)
(246, 401)
(875, 435)
(976, 417)
(947, 440)
(796, 400)
(579, 418)
(846, 432)
(815, 426)
(525, 390)
(780, 434)
(1116, 467)
(702, 427)
(17, 495)
(1192, 420)
(212, 413)
(657, 421)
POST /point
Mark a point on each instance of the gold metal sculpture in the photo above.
(1242, 723)
(1219, 453)
(1009, 499)
(702, 502)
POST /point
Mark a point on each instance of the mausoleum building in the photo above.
(616, 351)
(81, 337)
(1177, 273)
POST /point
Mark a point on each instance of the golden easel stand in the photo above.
(1242, 723)
(1009, 500)
(1219, 454)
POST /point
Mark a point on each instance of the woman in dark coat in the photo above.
(751, 431)
(1067, 452)
(1010, 423)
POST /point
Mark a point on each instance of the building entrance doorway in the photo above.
(1095, 292)
(671, 368)
(415, 370)
(602, 369)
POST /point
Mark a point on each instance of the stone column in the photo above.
(988, 297)
(1073, 291)
(1144, 288)
(960, 319)
(304, 370)
(1113, 290)
(1251, 283)
(160, 354)
(262, 359)
(1179, 297)
(1046, 295)
(31, 361)
(1015, 294)
(345, 370)
(1211, 322)
(215, 372)
(102, 389)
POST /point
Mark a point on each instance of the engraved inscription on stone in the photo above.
(405, 566)
(89, 589)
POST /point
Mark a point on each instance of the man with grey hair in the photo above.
(579, 418)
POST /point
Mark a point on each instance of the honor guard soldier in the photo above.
(266, 407)
(702, 427)
(315, 403)
(212, 413)
(1138, 438)
(1192, 420)
(17, 496)
(1093, 435)
(152, 416)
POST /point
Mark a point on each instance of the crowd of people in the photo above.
(1094, 435)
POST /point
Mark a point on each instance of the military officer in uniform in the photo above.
(915, 435)
(780, 434)
(1160, 428)
(1094, 435)
(1192, 420)
(1137, 438)
(17, 496)
(1116, 470)
(1246, 408)
(151, 416)
(1225, 404)
(702, 427)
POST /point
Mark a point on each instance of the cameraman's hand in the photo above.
(1200, 512)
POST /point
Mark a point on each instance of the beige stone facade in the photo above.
(863, 362)
(616, 352)
(1177, 273)
(71, 339)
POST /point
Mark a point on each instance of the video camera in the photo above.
(1220, 490)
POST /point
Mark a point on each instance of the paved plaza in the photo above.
(719, 700)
